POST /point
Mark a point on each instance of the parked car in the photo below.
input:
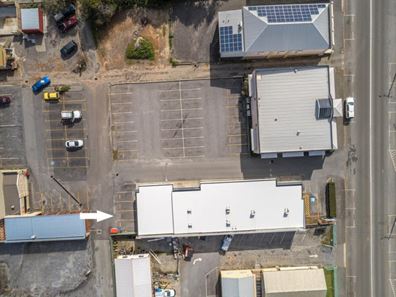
(67, 24)
(69, 11)
(225, 245)
(349, 108)
(5, 100)
(51, 96)
(188, 252)
(70, 116)
(62, 88)
(41, 84)
(74, 144)
(68, 49)
(164, 292)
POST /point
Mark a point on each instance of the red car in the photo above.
(4, 100)
(68, 24)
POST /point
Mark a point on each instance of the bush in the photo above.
(140, 49)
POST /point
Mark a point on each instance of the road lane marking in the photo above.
(121, 93)
(122, 112)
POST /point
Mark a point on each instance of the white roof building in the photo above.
(294, 282)
(133, 276)
(292, 111)
(276, 30)
(238, 283)
(219, 208)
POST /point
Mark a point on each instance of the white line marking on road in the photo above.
(371, 151)
(178, 138)
(179, 148)
(174, 129)
(125, 131)
(121, 141)
(120, 103)
(122, 93)
(197, 118)
(125, 122)
(181, 107)
(122, 112)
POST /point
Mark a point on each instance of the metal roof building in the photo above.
(44, 228)
(32, 20)
(219, 208)
(133, 276)
(294, 282)
(289, 116)
(276, 30)
(238, 283)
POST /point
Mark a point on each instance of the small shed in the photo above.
(133, 276)
(238, 283)
(45, 228)
(32, 20)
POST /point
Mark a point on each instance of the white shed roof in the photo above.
(219, 208)
(295, 283)
(238, 283)
(133, 276)
(30, 19)
(286, 105)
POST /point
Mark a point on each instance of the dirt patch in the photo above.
(128, 25)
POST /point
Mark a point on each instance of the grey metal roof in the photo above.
(8, 11)
(263, 36)
(30, 19)
(238, 287)
(286, 109)
(44, 228)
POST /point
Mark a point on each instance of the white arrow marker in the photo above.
(98, 216)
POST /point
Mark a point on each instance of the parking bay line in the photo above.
(174, 129)
(167, 120)
(183, 99)
(180, 90)
(126, 122)
(179, 148)
(182, 109)
(193, 137)
(122, 112)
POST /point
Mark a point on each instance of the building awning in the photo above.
(337, 108)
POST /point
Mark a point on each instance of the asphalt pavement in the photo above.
(371, 181)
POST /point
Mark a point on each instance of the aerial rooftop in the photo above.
(219, 208)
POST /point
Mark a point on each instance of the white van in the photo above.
(71, 115)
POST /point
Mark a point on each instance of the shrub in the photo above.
(140, 49)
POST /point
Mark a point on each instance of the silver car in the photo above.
(74, 144)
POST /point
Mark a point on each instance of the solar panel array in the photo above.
(288, 13)
(230, 42)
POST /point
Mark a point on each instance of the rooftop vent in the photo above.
(252, 214)
(189, 226)
(227, 210)
(228, 223)
(189, 211)
(323, 109)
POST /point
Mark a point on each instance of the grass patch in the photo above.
(115, 155)
(173, 62)
(140, 49)
(329, 276)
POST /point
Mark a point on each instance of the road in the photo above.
(371, 186)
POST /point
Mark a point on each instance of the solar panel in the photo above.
(288, 13)
(230, 42)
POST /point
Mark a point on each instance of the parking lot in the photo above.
(178, 120)
(12, 147)
(66, 164)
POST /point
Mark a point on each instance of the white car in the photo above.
(350, 108)
(71, 115)
(74, 144)
(165, 292)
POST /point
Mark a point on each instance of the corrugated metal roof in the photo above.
(237, 284)
(30, 19)
(295, 283)
(286, 109)
(133, 276)
(44, 228)
(262, 208)
(262, 36)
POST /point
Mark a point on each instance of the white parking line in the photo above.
(197, 118)
(182, 109)
(180, 89)
(120, 103)
(122, 112)
(174, 129)
(125, 122)
(121, 93)
(127, 131)
(194, 137)
(181, 106)
(120, 141)
(184, 147)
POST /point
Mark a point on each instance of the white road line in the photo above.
(125, 122)
(180, 89)
(122, 93)
(123, 150)
(167, 120)
(181, 107)
(127, 131)
(122, 112)
(371, 151)
(120, 103)
(174, 129)
(195, 137)
(185, 147)
(121, 141)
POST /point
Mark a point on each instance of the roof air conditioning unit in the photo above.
(252, 214)
(189, 211)
(189, 226)
(228, 223)
(228, 210)
(286, 212)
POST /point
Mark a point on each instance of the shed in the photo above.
(32, 20)
(133, 276)
(238, 283)
(294, 282)
(45, 228)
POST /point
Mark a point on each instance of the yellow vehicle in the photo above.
(51, 96)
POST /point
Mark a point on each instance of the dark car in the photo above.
(5, 100)
(69, 11)
(68, 49)
(68, 24)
